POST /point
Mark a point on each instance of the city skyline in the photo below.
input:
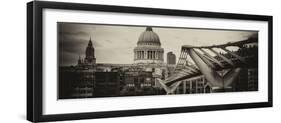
(109, 61)
(119, 41)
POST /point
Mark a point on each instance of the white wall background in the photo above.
(13, 61)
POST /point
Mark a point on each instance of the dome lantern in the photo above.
(149, 28)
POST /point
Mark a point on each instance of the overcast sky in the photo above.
(115, 44)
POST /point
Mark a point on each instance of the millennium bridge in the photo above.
(219, 69)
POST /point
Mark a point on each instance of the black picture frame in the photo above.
(34, 60)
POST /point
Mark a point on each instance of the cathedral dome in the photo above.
(148, 50)
(148, 37)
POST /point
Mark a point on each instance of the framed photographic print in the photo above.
(95, 61)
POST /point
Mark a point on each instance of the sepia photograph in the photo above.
(89, 61)
(102, 60)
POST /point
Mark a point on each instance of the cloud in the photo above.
(109, 41)
(66, 58)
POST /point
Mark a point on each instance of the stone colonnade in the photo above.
(149, 54)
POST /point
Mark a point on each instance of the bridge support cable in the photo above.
(221, 56)
(204, 59)
(192, 68)
(182, 57)
(188, 71)
(234, 55)
(211, 75)
(181, 60)
(178, 75)
(207, 55)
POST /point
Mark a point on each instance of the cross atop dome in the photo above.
(149, 28)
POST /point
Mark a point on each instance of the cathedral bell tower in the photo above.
(90, 54)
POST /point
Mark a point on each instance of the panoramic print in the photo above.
(96, 60)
